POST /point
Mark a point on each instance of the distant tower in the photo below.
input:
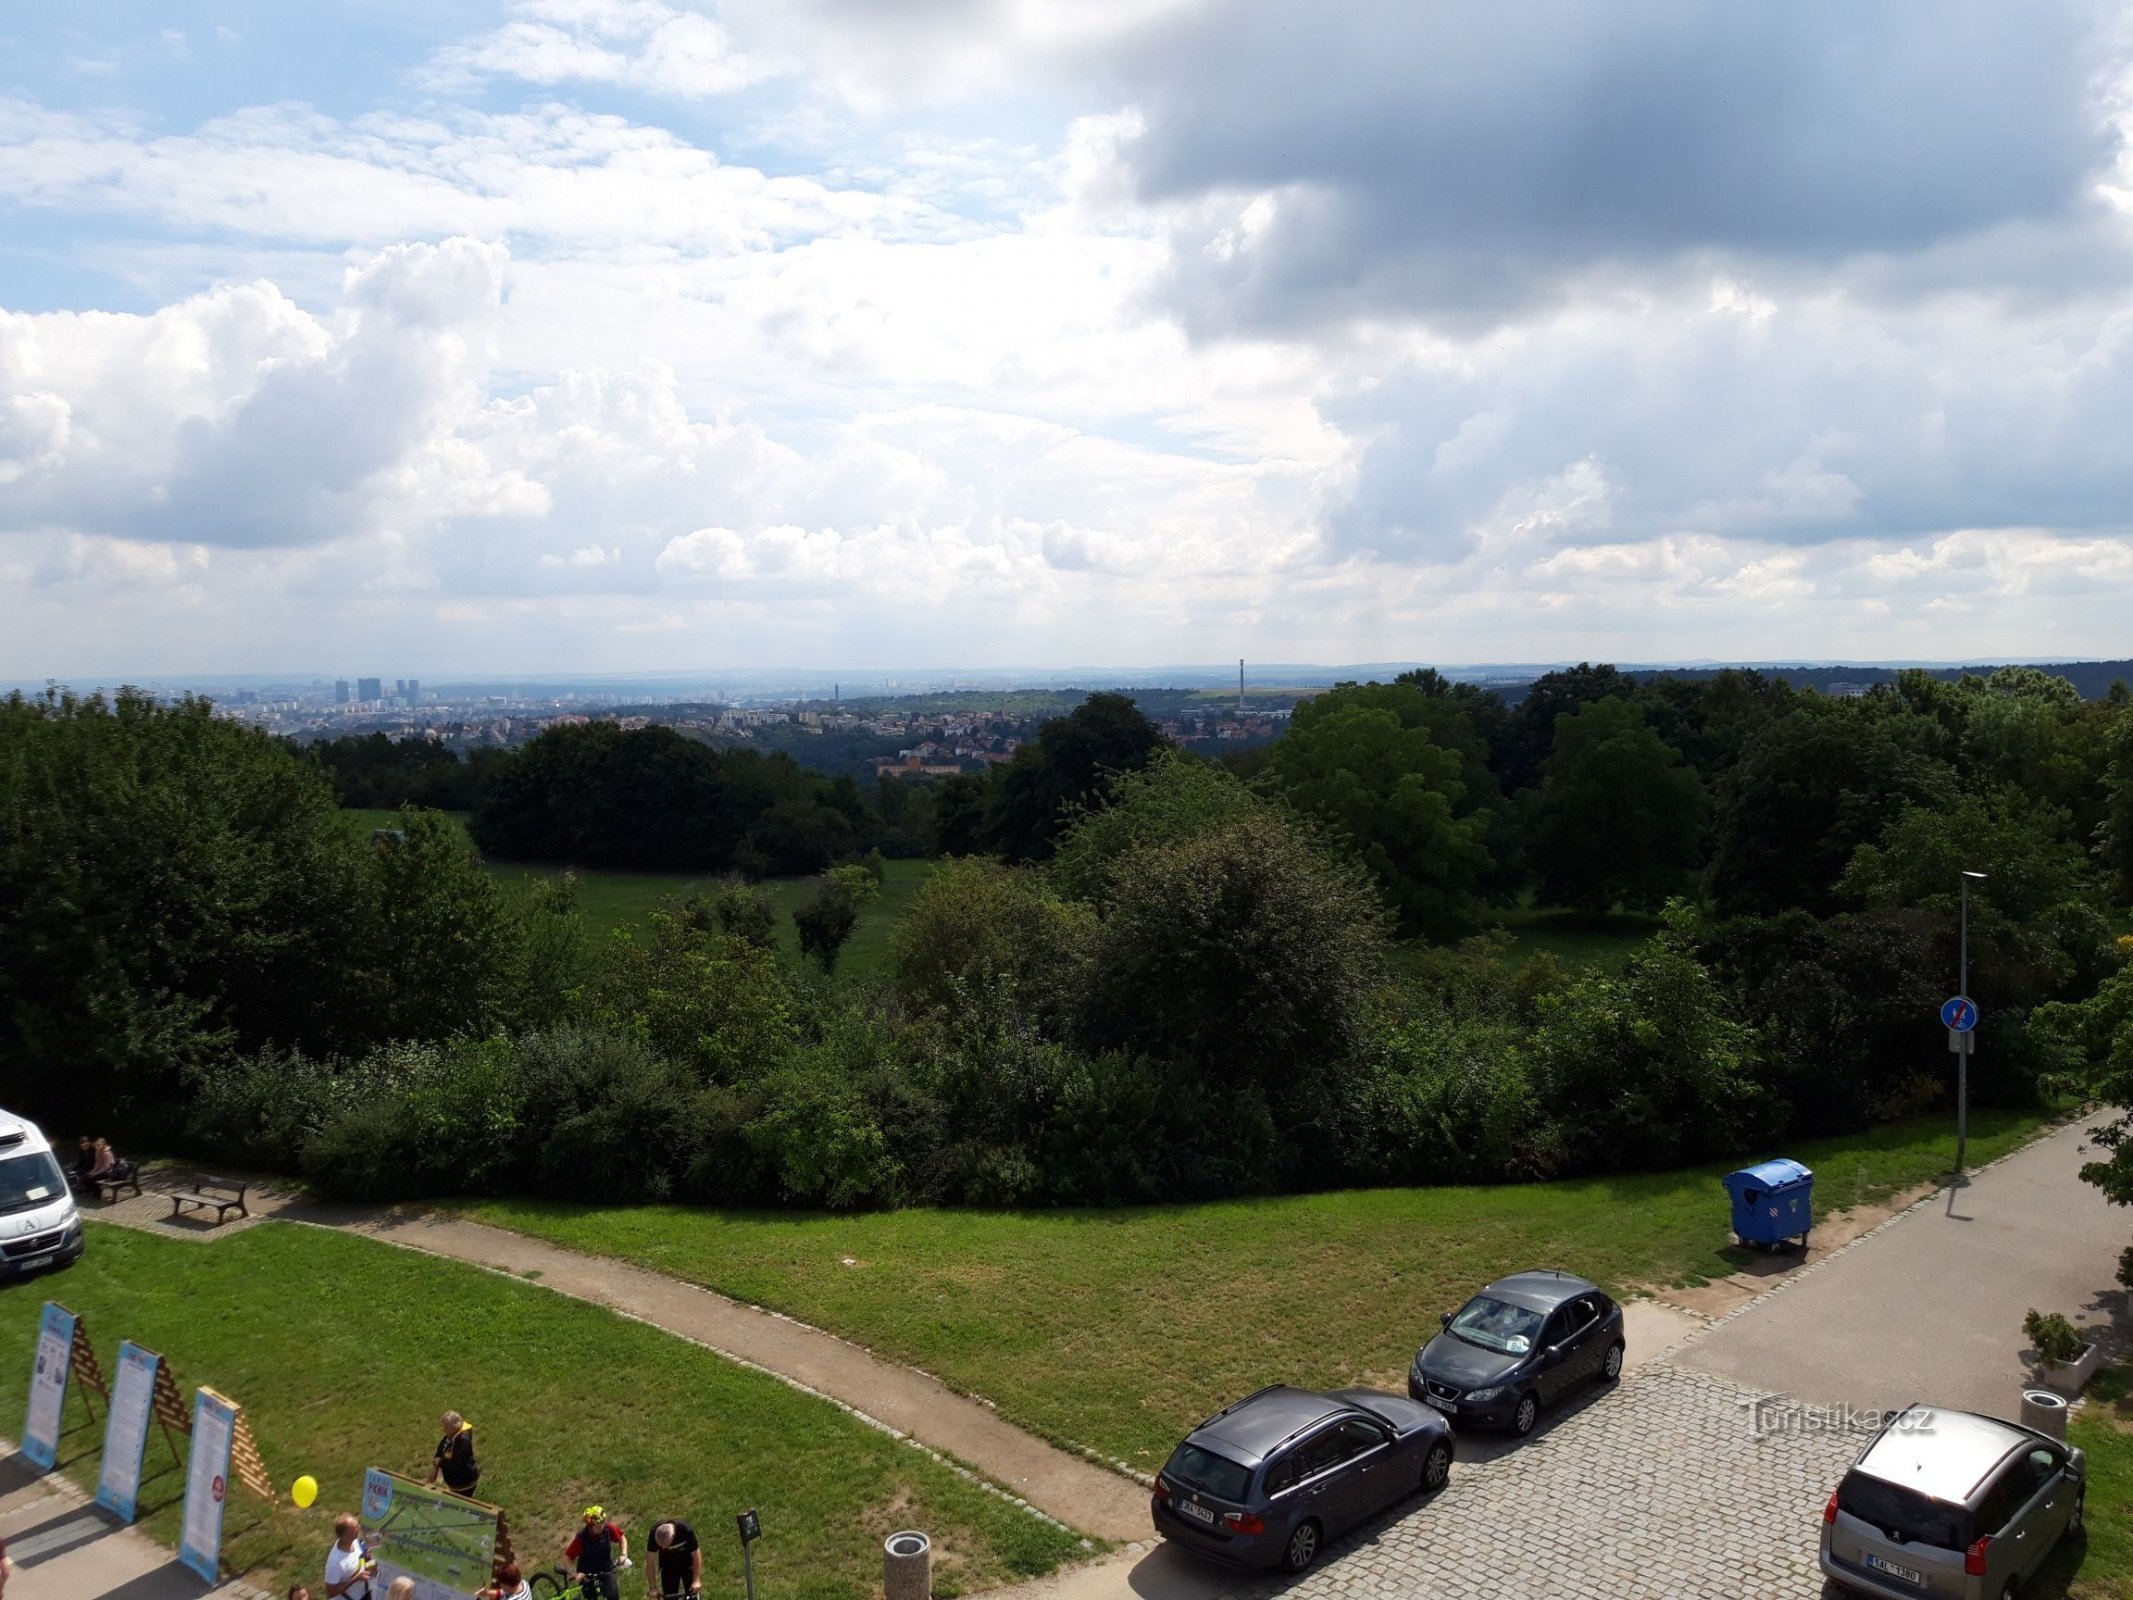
(340, 691)
(1240, 686)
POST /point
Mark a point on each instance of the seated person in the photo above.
(84, 1164)
(109, 1167)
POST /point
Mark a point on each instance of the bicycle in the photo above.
(557, 1583)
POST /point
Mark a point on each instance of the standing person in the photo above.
(598, 1549)
(510, 1584)
(349, 1567)
(403, 1589)
(454, 1456)
(678, 1561)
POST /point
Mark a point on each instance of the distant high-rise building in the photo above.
(414, 690)
(400, 688)
(370, 689)
(340, 691)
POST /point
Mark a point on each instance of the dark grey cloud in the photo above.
(1467, 160)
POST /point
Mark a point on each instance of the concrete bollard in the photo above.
(2044, 1411)
(907, 1567)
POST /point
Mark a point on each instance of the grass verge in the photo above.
(344, 1351)
(1115, 1329)
(2099, 1566)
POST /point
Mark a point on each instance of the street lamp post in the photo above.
(1962, 1056)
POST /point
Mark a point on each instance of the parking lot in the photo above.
(1660, 1488)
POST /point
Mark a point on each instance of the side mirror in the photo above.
(1444, 1319)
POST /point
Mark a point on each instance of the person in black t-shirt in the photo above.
(679, 1567)
(454, 1458)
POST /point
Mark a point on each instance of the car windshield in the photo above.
(1905, 1514)
(1203, 1469)
(30, 1179)
(1497, 1325)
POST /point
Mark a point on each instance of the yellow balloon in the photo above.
(303, 1491)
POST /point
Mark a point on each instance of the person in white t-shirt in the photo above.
(349, 1567)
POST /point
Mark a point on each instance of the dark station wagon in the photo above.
(1267, 1482)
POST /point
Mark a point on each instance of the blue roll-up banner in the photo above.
(132, 1408)
(48, 1386)
(207, 1484)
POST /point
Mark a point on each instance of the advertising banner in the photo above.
(444, 1543)
(118, 1486)
(207, 1484)
(48, 1385)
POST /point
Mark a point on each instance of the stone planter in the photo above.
(2067, 1377)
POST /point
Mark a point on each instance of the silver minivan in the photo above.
(1946, 1503)
(39, 1226)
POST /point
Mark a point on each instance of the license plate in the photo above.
(1442, 1405)
(35, 1261)
(1197, 1513)
(1908, 1574)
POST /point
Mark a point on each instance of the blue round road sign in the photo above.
(1960, 1013)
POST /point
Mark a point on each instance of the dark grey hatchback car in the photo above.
(1268, 1481)
(1523, 1342)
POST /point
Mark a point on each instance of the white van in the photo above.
(39, 1226)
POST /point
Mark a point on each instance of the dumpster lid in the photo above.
(1771, 1174)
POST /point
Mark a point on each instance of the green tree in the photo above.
(1646, 1068)
(1249, 952)
(1066, 770)
(827, 918)
(978, 927)
(2114, 834)
(1395, 794)
(1529, 733)
(1172, 799)
(1809, 791)
(1619, 816)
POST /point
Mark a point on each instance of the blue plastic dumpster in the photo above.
(1772, 1201)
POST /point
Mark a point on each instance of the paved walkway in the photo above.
(1069, 1488)
(1930, 1306)
(65, 1548)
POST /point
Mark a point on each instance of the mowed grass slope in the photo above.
(1117, 1329)
(344, 1352)
(624, 900)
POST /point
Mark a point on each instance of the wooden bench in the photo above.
(132, 1181)
(223, 1195)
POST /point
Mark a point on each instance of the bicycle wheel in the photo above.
(546, 1586)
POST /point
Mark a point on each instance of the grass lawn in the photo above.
(344, 1351)
(2100, 1567)
(1115, 1329)
(1575, 938)
(611, 900)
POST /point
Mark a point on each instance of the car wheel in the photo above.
(2011, 1590)
(1437, 1466)
(1611, 1368)
(1527, 1414)
(1302, 1547)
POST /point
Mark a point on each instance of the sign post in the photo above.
(207, 1484)
(118, 1485)
(751, 1527)
(1958, 1014)
(447, 1545)
(48, 1385)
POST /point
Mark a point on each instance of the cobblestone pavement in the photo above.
(1658, 1489)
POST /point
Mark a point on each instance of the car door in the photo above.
(1368, 1476)
(1586, 1344)
(2042, 1519)
(1311, 1469)
(1558, 1355)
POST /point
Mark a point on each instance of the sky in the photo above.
(642, 335)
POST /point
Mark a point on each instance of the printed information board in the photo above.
(48, 1385)
(207, 1484)
(118, 1486)
(444, 1543)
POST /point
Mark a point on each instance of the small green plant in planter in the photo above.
(2057, 1341)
